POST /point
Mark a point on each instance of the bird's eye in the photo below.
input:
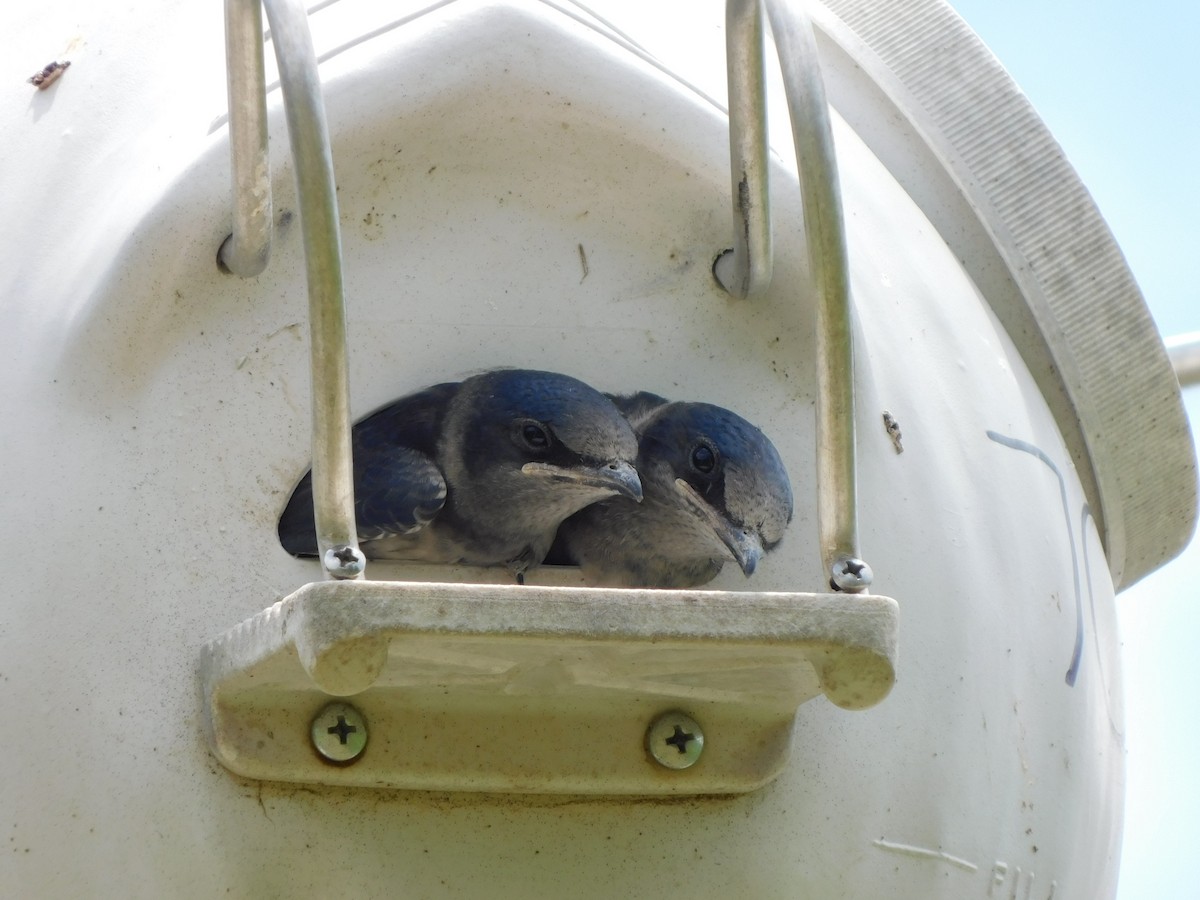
(704, 458)
(535, 436)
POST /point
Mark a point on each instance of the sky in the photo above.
(1118, 84)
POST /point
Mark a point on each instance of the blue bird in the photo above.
(715, 489)
(480, 472)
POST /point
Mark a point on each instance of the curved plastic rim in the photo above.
(1050, 267)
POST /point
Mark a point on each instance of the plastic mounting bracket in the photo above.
(521, 689)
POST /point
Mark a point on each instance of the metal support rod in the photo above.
(745, 270)
(332, 466)
(1184, 351)
(837, 502)
(246, 251)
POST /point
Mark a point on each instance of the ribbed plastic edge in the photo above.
(937, 107)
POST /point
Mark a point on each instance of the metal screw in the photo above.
(851, 575)
(675, 740)
(339, 732)
(344, 562)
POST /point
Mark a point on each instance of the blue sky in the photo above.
(1119, 86)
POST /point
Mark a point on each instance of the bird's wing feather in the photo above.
(398, 491)
(414, 421)
(397, 486)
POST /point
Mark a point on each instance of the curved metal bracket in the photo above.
(747, 269)
(248, 249)
(246, 252)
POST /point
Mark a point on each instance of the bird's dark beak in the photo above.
(623, 478)
(615, 477)
(743, 544)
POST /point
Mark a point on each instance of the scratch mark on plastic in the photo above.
(926, 853)
(1087, 571)
(1025, 447)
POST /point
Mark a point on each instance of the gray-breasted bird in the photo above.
(480, 472)
(715, 489)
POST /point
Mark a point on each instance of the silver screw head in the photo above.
(344, 562)
(675, 740)
(850, 575)
(339, 733)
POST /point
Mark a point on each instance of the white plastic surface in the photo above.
(157, 418)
